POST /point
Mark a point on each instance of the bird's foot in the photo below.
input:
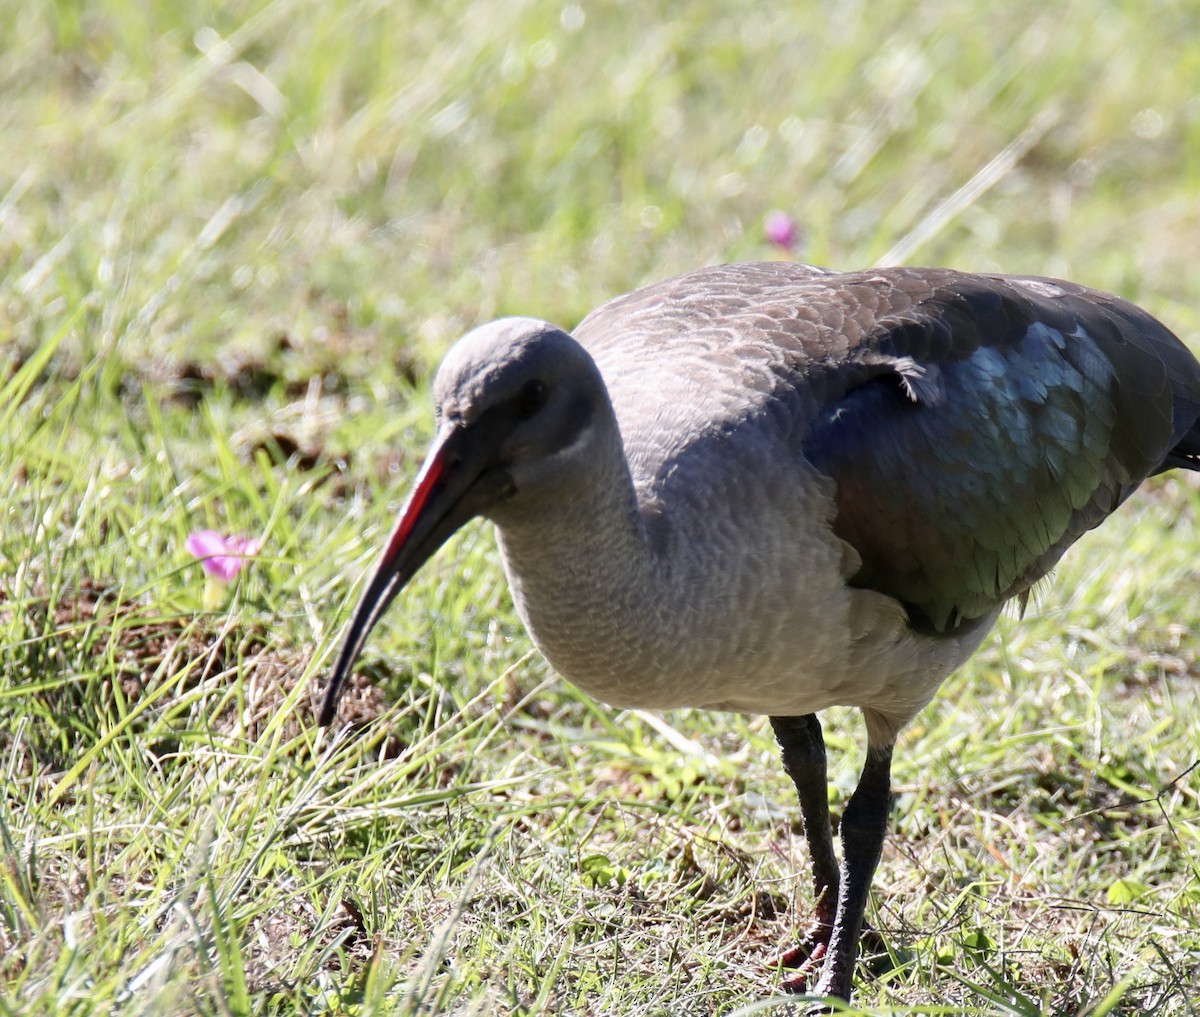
(797, 978)
(803, 961)
(805, 965)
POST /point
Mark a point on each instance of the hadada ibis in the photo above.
(772, 488)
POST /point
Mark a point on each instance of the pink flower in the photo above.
(780, 229)
(221, 557)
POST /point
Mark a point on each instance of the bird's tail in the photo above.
(1185, 454)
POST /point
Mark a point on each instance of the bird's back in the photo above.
(973, 426)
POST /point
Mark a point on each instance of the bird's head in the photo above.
(517, 409)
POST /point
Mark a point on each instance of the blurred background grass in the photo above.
(218, 174)
(236, 237)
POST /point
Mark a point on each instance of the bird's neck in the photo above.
(585, 575)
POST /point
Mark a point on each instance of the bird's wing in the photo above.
(977, 426)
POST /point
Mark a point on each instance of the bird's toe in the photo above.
(802, 962)
(798, 975)
(809, 950)
(810, 968)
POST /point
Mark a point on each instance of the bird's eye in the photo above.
(531, 399)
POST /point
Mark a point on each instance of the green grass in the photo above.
(236, 237)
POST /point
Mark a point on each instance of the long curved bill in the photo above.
(438, 505)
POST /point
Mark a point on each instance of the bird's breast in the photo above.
(734, 597)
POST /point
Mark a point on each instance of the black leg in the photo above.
(864, 824)
(803, 752)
